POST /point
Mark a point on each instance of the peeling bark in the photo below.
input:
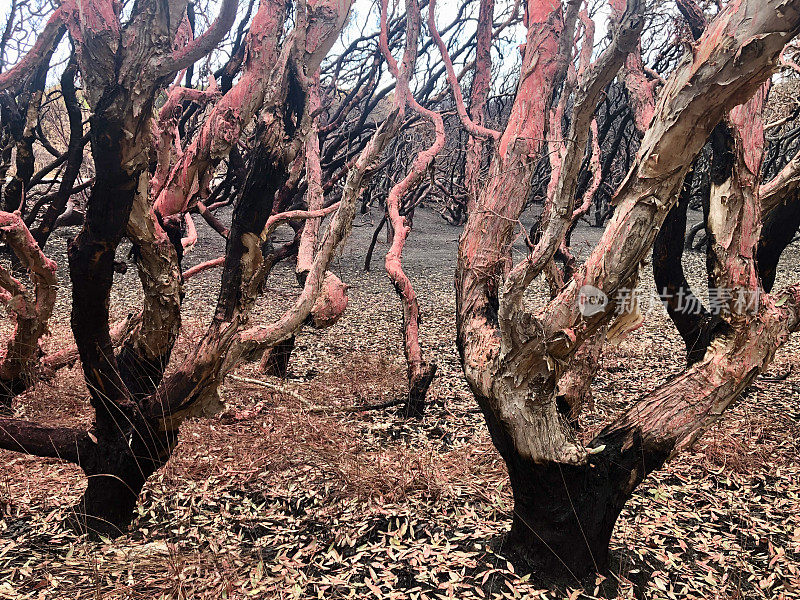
(145, 353)
(567, 497)
(122, 73)
(314, 194)
(29, 312)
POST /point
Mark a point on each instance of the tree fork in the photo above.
(512, 357)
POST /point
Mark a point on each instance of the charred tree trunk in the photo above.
(567, 495)
(16, 189)
(686, 310)
(690, 237)
(275, 361)
(123, 69)
(373, 242)
(157, 250)
(564, 514)
(124, 454)
(778, 230)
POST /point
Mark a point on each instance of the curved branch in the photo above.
(686, 115)
(191, 174)
(204, 266)
(481, 83)
(201, 46)
(626, 36)
(694, 16)
(337, 231)
(30, 314)
(293, 215)
(472, 127)
(45, 41)
(597, 176)
(190, 239)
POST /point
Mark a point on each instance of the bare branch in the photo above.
(199, 47)
(44, 45)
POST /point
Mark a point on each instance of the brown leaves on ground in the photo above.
(271, 500)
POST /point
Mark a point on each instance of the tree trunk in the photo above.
(685, 309)
(117, 469)
(28, 311)
(420, 372)
(157, 251)
(563, 519)
(74, 156)
(373, 242)
(568, 496)
(778, 230)
(479, 93)
(275, 360)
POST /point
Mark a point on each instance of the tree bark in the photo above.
(275, 360)
(74, 156)
(568, 496)
(686, 310)
(481, 82)
(373, 242)
(777, 232)
(420, 372)
(146, 351)
(29, 312)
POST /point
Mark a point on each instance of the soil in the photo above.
(283, 495)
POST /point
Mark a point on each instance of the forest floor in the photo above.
(284, 495)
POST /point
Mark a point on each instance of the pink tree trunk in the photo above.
(29, 312)
(420, 372)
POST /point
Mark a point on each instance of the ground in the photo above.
(286, 495)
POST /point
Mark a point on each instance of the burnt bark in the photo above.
(196, 383)
(275, 360)
(123, 69)
(117, 466)
(16, 189)
(74, 157)
(420, 377)
(569, 495)
(778, 229)
(158, 251)
(127, 445)
(686, 310)
(564, 515)
(373, 242)
(91, 262)
(694, 16)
